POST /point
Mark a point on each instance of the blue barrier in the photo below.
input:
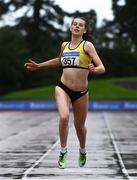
(51, 105)
(27, 105)
(113, 105)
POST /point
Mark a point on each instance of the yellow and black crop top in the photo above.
(75, 58)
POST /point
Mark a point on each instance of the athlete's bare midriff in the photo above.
(75, 78)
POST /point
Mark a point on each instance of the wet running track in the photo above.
(29, 146)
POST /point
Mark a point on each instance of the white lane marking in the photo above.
(122, 166)
(25, 174)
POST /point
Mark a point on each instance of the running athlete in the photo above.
(78, 57)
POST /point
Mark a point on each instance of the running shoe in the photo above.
(62, 160)
(82, 159)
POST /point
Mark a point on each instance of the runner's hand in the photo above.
(31, 65)
(91, 67)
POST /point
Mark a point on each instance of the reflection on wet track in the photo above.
(29, 146)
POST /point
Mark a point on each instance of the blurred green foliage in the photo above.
(13, 52)
(40, 30)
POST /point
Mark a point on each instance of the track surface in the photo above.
(29, 146)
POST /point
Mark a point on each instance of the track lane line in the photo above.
(25, 174)
(122, 166)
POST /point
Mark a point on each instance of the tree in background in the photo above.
(39, 23)
(125, 18)
(117, 40)
(13, 52)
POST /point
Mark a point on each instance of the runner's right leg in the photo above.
(63, 102)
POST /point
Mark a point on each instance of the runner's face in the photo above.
(78, 27)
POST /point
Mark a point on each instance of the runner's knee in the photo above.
(64, 120)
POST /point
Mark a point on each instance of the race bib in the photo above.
(70, 59)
